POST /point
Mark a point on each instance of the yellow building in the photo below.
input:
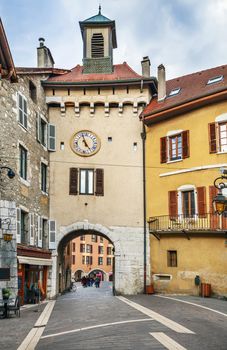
(186, 146)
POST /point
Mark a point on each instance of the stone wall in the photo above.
(8, 253)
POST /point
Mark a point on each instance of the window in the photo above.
(68, 249)
(23, 162)
(82, 248)
(174, 92)
(100, 249)
(109, 250)
(172, 258)
(97, 45)
(101, 239)
(89, 248)
(22, 111)
(83, 259)
(223, 137)
(88, 260)
(90, 180)
(74, 259)
(74, 246)
(32, 91)
(93, 238)
(42, 126)
(24, 227)
(44, 177)
(86, 181)
(82, 238)
(43, 132)
(100, 260)
(218, 135)
(108, 261)
(175, 146)
(188, 203)
(215, 80)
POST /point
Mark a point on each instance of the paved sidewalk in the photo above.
(13, 330)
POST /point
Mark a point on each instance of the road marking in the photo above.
(96, 326)
(190, 303)
(169, 343)
(32, 338)
(164, 320)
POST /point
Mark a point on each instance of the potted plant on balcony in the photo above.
(6, 293)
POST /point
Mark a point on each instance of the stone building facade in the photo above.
(24, 200)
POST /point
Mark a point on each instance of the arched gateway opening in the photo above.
(64, 271)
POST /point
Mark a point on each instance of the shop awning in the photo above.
(34, 261)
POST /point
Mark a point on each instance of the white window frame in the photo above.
(41, 176)
(86, 182)
(220, 120)
(24, 121)
(180, 190)
(41, 120)
(169, 135)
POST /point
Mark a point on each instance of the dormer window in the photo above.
(174, 92)
(97, 45)
(215, 79)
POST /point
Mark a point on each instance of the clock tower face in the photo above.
(85, 143)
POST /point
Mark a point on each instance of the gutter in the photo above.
(143, 137)
(187, 105)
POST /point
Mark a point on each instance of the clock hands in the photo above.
(85, 142)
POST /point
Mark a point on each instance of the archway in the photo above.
(62, 269)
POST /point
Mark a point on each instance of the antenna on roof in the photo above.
(100, 8)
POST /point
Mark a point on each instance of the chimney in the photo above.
(145, 63)
(44, 57)
(161, 82)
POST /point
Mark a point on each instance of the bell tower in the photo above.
(99, 40)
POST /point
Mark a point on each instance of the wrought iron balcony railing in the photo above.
(206, 222)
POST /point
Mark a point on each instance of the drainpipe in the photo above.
(143, 137)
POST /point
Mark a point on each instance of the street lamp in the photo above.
(220, 201)
(10, 172)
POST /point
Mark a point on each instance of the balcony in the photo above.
(206, 224)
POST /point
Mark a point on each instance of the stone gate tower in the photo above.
(96, 166)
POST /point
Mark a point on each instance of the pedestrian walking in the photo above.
(97, 282)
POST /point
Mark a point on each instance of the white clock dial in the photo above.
(85, 143)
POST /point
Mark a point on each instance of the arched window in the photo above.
(97, 45)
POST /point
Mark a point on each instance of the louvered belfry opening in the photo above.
(97, 45)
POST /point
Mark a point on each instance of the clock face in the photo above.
(85, 143)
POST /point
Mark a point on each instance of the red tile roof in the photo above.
(192, 87)
(121, 72)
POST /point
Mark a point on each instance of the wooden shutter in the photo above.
(173, 207)
(18, 225)
(73, 181)
(212, 138)
(201, 199)
(185, 144)
(52, 234)
(214, 218)
(99, 182)
(51, 137)
(163, 149)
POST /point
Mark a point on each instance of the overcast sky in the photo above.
(185, 35)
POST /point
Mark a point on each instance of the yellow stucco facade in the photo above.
(200, 247)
